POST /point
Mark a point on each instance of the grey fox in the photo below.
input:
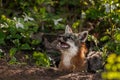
(73, 49)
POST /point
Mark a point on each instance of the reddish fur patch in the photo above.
(78, 62)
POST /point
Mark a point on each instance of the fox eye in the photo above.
(60, 36)
(67, 38)
(70, 37)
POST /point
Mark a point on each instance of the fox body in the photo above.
(73, 49)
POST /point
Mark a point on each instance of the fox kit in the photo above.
(73, 49)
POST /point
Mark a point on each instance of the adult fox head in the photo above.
(70, 40)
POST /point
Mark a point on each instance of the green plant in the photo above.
(112, 41)
(112, 45)
(112, 68)
(41, 59)
(12, 52)
(17, 33)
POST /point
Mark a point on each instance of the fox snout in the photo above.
(62, 43)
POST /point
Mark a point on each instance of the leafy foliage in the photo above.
(112, 67)
(112, 44)
(20, 19)
(17, 31)
(41, 59)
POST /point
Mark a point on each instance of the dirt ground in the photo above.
(25, 72)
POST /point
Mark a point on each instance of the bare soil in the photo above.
(26, 72)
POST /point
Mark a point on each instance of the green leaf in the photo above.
(12, 30)
(1, 54)
(13, 60)
(76, 24)
(110, 46)
(40, 1)
(18, 36)
(25, 46)
(35, 42)
(117, 36)
(13, 51)
(2, 37)
(16, 42)
(117, 49)
(105, 38)
(2, 41)
(41, 59)
(59, 26)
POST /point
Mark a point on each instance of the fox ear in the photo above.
(68, 29)
(83, 36)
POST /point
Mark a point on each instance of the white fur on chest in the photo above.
(69, 54)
